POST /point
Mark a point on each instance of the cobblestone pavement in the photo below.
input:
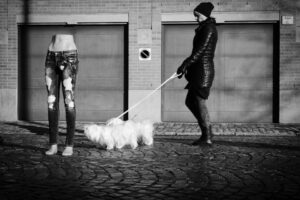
(238, 166)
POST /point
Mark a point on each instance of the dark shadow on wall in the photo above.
(276, 72)
(23, 44)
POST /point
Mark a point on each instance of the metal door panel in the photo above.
(243, 86)
(101, 72)
(99, 93)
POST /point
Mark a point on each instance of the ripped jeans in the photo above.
(61, 68)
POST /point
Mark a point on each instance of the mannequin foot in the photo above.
(52, 150)
(68, 151)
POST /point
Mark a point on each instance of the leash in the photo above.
(175, 75)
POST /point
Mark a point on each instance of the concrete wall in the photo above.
(144, 16)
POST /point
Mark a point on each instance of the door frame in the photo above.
(224, 18)
(106, 19)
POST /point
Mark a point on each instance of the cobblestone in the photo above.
(254, 161)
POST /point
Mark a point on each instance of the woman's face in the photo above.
(199, 17)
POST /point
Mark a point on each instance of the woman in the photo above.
(61, 68)
(198, 69)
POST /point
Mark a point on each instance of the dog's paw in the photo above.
(148, 143)
(134, 145)
(119, 146)
(85, 128)
(109, 147)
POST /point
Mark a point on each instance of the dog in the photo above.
(117, 133)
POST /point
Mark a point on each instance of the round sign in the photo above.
(145, 54)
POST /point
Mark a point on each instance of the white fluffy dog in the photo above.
(118, 133)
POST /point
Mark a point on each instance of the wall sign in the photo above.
(287, 19)
(144, 36)
(145, 53)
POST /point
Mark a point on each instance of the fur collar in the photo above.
(209, 20)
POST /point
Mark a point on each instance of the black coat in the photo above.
(199, 65)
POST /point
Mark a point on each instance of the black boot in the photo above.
(206, 136)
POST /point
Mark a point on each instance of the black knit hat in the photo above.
(204, 8)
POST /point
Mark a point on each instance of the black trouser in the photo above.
(197, 106)
(61, 68)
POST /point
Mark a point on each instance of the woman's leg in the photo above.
(191, 103)
(204, 120)
(197, 106)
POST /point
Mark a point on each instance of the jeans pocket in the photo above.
(72, 59)
(50, 61)
(72, 63)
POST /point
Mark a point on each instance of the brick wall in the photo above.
(145, 14)
(289, 64)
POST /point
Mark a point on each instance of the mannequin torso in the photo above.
(62, 42)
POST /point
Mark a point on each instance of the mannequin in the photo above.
(61, 68)
(62, 42)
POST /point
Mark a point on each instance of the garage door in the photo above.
(243, 86)
(100, 82)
